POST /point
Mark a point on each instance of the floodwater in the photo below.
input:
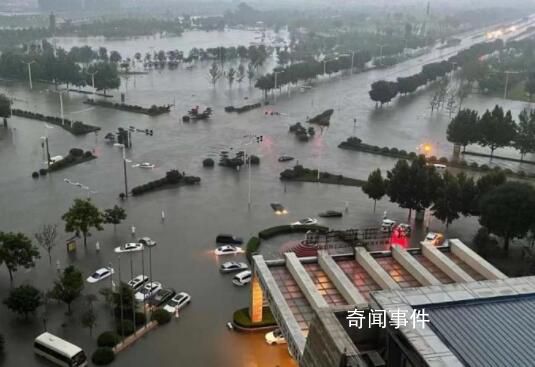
(194, 216)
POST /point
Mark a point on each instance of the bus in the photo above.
(59, 351)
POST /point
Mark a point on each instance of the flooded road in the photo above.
(194, 216)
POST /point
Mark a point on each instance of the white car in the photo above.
(305, 222)
(148, 291)
(242, 278)
(129, 247)
(232, 266)
(275, 337)
(228, 250)
(100, 274)
(147, 241)
(387, 225)
(177, 302)
(143, 165)
(138, 282)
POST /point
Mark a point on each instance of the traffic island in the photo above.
(74, 127)
(242, 321)
(75, 156)
(172, 179)
(302, 174)
(151, 111)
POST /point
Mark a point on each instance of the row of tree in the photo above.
(507, 209)
(494, 129)
(383, 91)
(307, 70)
(60, 67)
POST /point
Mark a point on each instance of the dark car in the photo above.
(228, 239)
(162, 296)
(278, 208)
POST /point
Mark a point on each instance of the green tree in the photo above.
(46, 238)
(81, 217)
(383, 91)
(115, 57)
(114, 215)
(89, 316)
(214, 73)
(106, 76)
(231, 75)
(496, 129)
(524, 139)
(68, 287)
(412, 187)
(462, 129)
(530, 85)
(375, 187)
(24, 300)
(16, 250)
(447, 203)
(241, 73)
(508, 211)
(468, 194)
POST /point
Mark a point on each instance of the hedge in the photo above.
(252, 246)
(288, 228)
(127, 327)
(152, 110)
(242, 319)
(108, 339)
(161, 316)
(75, 127)
(103, 356)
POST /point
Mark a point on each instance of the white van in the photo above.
(59, 351)
(242, 278)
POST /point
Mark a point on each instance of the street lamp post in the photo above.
(121, 296)
(93, 80)
(123, 147)
(60, 92)
(255, 139)
(29, 72)
(381, 52)
(276, 74)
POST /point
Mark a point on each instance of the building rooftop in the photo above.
(487, 332)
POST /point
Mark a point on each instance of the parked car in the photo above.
(278, 208)
(146, 165)
(233, 266)
(100, 274)
(242, 278)
(138, 282)
(129, 247)
(305, 222)
(436, 239)
(403, 230)
(285, 158)
(227, 250)
(228, 239)
(147, 241)
(148, 291)
(177, 302)
(161, 296)
(331, 214)
(275, 337)
(387, 225)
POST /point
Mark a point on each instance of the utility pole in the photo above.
(352, 61)
(125, 174)
(276, 74)
(29, 72)
(381, 52)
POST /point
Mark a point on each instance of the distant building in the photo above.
(60, 5)
(101, 5)
(52, 22)
(473, 308)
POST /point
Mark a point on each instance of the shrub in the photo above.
(463, 163)
(385, 150)
(354, 140)
(242, 319)
(443, 160)
(474, 165)
(484, 167)
(522, 173)
(103, 356)
(208, 162)
(254, 159)
(403, 153)
(508, 171)
(127, 326)
(161, 316)
(252, 247)
(76, 152)
(43, 171)
(140, 319)
(394, 151)
(412, 155)
(432, 159)
(375, 148)
(88, 154)
(108, 339)
(287, 228)
(35, 174)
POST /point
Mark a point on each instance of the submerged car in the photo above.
(275, 337)
(177, 302)
(278, 208)
(436, 239)
(305, 222)
(228, 239)
(148, 291)
(387, 225)
(129, 247)
(285, 158)
(100, 274)
(232, 266)
(227, 250)
(331, 214)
